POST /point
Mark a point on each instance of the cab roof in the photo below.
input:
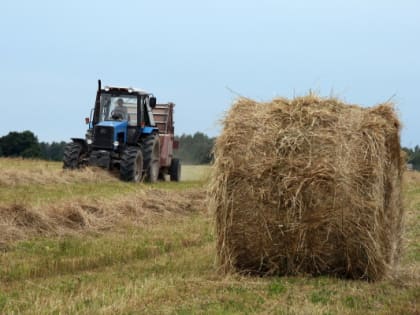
(128, 90)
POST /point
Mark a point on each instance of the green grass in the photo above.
(195, 172)
(167, 266)
(48, 257)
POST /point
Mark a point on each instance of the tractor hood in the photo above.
(119, 128)
(117, 124)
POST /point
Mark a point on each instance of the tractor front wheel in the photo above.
(71, 156)
(131, 166)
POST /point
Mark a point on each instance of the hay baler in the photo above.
(128, 131)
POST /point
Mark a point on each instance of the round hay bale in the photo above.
(308, 185)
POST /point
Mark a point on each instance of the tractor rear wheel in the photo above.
(151, 154)
(71, 156)
(175, 170)
(131, 165)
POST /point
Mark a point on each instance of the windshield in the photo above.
(113, 105)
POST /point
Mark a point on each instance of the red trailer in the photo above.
(164, 119)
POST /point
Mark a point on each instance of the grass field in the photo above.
(151, 251)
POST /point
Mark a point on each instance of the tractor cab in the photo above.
(120, 104)
(120, 117)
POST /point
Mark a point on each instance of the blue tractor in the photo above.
(123, 135)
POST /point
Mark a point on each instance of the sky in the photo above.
(201, 55)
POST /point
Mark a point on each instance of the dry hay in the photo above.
(17, 171)
(308, 186)
(20, 221)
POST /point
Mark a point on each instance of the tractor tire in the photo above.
(71, 156)
(175, 170)
(151, 153)
(131, 165)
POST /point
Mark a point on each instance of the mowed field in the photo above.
(83, 242)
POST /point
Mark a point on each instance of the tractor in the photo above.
(128, 131)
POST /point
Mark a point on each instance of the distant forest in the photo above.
(193, 149)
(413, 157)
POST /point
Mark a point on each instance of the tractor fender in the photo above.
(149, 130)
(82, 142)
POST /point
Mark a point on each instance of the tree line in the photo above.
(25, 144)
(413, 156)
(193, 149)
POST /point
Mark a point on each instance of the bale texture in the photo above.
(308, 186)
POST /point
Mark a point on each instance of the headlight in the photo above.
(116, 144)
(89, 141)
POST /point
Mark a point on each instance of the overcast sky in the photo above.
(194, 52)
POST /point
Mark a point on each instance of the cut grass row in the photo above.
(44, 194)
(80, 184)
(17, 171)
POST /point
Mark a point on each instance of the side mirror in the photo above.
(87, 120)
(152, 102)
